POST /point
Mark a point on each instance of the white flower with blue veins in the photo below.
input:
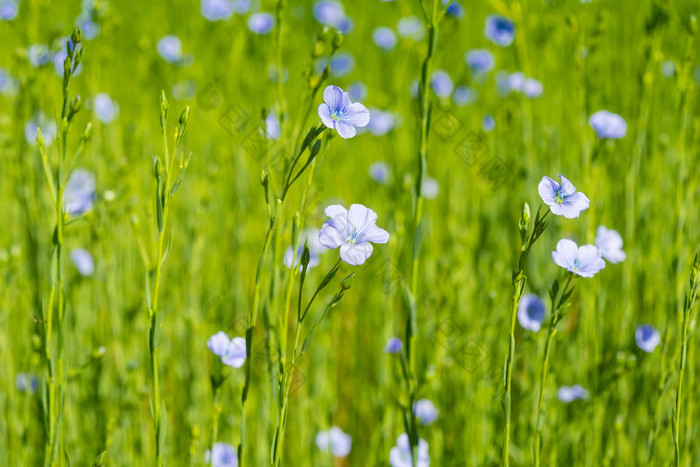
(335, 441)
(339, 113)
(400, 455)
(232, 351)
(353, 231)
(584, 261)
(563, 200)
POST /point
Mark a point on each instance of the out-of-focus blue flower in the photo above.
(609, 243)
(393, 346)
(289, 257)
(516, 81)
(342, 63)
(411, 27)
(83, 261)
(431, 188)
(668, 69)
(89, 28)
(531, 312)
(384, 37)
(480, 60)
(647, 337)
(241, 6)
(329, 13)
(335, 441)
(339, 113)
(38, 55)
(170, 48)
(380, 172)
(8, 10)
(400, 455)
(79, 195)
(571, 393)
(608, 125)
(26, 382)
(584, 261)
(261, 23)
(184, 90)
(273, 129)
(48, 129)
(59, 57)
(381, 122)
(8, 85)
(455, 9)
(273, 73)
(488, 123)
(105, 108)
(353, 230)
(532, 88)
(413, 88)
(222, 455)
(425, 411)
(357, 91)
(563, 200)
(442, 83)
(499, 30)
(217, 10)
(232, 352)
(464, 95)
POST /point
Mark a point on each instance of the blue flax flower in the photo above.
(352, 230)
(647, 337)
(531, 312)
(584, 261)
(563, 200)
(339, 113)
(499, 30)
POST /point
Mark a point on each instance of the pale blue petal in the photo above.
(218, 343)
(374, 234)
(566, 253)
(333, 97)
(325, 114)
(355, 254)
(567, 187)
(548, 189)
(330, 236)
(344, 130)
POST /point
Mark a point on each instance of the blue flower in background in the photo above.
(647, 337)
(329, 13)
(480, 60)
(217, 10)
(385, 38)
(59, 57)
(222, 455)
(516, 81)
(353, 230)
(608, 125)
(184, 89)
(105, 108)
(571, 393)
(90, 30)
(357, 91)
(531, 311)
(442, 83)
(411, 27)
(425, 411)
(339, 113)
(609, 243)
(499, 30)
(335, 441)
(431, 188)
(584, 261)
(170, 48)
(381, 123)
(380, 172)
(8, 10)
(83, 261)
(393, 346)
(342, 63)
(26, 382)
(400, 455)
(464, 95)
(289, 257)
(241, 6)
(532, 88)
(261, 23)
(8, 85)
(79, 195)
(563, 200)
(232, 352)
(48, 129)
(488, 123)
(455, 9)
(38, 55)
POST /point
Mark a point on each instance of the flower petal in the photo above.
(361, 217)
(333, 97)
(344, 130)
(566, 253)
(356, 114)
(548, 189)
(330, 236)
(356, 254)
(325, 114)
(218, 343)
(567, 187)
(590, 261)
(336, 210)
(374, 234)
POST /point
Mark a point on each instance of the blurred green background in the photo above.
(635, 58)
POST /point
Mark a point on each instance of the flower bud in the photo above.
(77, 36)
(347, 282)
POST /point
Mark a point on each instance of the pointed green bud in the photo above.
(526, 213)
(77, 36)
(347, 282)
(87, 133)
(337, 40)
(75, 105)
(305, 256)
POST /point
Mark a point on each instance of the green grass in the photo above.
(645, 186)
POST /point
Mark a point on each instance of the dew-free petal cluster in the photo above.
(231, 351)
(563, 200)
(425, 411)
(572, 393)
(393, 346)
(499, 30)
(222, 455)
(531, 311)
(584, 261)
(335, 441)
(353, 231)
(609, 243)
(608, 125)
(339, 113)
(80, 194)
(83, 261)
(400, 455)
(647, 337)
